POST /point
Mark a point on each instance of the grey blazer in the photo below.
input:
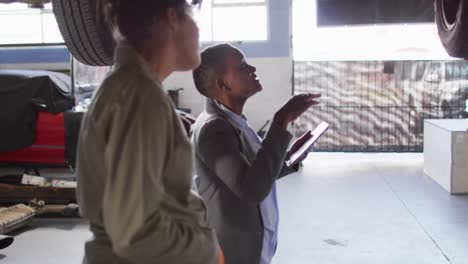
(233, 180)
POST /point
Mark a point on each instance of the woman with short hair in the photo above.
(236, 169)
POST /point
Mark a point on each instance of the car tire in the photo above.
(452, 24)
(85, 31)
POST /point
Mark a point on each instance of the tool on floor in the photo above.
(5, 241)
(19, 215)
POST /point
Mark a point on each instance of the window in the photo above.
(220, 20)
(234, 20)
(28, 25)
(367, 42)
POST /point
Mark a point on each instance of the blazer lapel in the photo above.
(213, 109)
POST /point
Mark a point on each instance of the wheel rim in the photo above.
(450, 12)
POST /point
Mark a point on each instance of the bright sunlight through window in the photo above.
(28, 25)
(372, 42)
(234, 20)
(220, 20)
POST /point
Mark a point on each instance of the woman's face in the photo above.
(187, 41)
(240, 79)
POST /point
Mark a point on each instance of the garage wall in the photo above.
(55, 58)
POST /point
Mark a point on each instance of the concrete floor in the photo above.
(369, 208)
(340, 208)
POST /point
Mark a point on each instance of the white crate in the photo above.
(446, 153)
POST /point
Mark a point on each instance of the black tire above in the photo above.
(85, 31)
(452, 24)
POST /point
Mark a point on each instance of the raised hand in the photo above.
(294, 108)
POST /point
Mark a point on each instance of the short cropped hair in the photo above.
(211, 67)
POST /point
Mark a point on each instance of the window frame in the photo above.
(41, 41)
(264, 3)
(260, 3)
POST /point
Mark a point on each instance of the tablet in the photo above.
(318, 131)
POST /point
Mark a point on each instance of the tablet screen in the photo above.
(318, 131)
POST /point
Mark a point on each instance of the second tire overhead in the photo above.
(452, 23)
(85, 31)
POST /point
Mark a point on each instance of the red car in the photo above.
(33, 121)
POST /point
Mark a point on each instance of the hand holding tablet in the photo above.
(315, 135)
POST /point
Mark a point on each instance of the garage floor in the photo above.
(340, 208)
